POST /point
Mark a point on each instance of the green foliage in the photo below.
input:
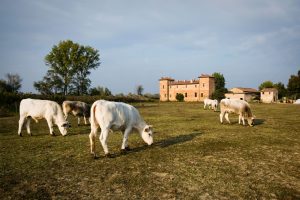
(266, 84)
(219, 94)
(219, 80)
(69, 66)
(282, 92)
(220, 89)
(293, 86)
(179, 97)
(101, 91)
(139, 90)
(12, 84)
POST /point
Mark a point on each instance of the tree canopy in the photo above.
(220, 89)
(12, 83)
(293, 86)
(69, 66)
(266, 84)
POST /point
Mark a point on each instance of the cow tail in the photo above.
(93, 114)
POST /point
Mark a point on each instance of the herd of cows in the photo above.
(111, 116)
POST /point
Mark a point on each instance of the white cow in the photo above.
(38, 109)
(212, 104)
(240, 107)
(116, 116)
(78, 109)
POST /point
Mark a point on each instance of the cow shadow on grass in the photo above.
(160, 144)
(258, 122)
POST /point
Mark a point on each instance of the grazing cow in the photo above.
(38, 109)
(116, 116)
(212, 104)
(78, 109)
(237, 106)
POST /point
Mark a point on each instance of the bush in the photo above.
(179, 97)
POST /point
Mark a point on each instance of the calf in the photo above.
(116, 116)
(38, 109)
(78, 109)
(240, 107)
(212, 104)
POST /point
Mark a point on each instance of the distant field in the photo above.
(193, 157)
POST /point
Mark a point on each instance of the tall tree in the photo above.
(266, 84)
(14, 82)
(220, 89)
(281, 89)
(69, 66)
(139, 90)
(293, 86)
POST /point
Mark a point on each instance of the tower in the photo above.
(207, 86)
(164, 87)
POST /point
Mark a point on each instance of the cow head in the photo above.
(63, 128)
(147, 134)
(251, 121)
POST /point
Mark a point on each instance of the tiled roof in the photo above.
(247, 90)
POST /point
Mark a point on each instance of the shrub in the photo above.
(179, 97)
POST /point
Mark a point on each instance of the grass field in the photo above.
(193, 157)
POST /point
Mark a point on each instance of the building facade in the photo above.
(192, 90)
(246, 94)
(269, 95)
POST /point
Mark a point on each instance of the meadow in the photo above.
(193, 157)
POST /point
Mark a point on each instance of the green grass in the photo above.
(193, 157)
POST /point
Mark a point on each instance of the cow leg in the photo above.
(125, 139)
(240, 117)
(227, 118)
(243, 119)
(204, 106)
(50, 125)
(21, 122)
(85, 121)
(92, 137)
(78, 121)
(221, 117)
(103, 139)
(28, 126)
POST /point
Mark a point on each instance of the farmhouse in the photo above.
(193, 90)
(246, 94)
(269, 95)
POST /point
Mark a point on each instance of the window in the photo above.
(170, 95)
(163, 87)
(196, 94)
(203, 84)
(195, 86)
(165, 95)
(170, 86)
(201, 94)
(185, 95)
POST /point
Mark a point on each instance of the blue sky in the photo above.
(140, 41)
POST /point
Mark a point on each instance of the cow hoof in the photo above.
(20, 135)
(127, 148)
(108, 155)
(53, 134)
(123, 151)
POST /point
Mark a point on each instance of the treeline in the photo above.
(9, 102)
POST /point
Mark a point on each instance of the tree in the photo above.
(281, 90)
(139, 90)
(179, 97)
(266, 84)
(13, 82)
(69, 66)
(101, 91)
(220, 89)
(293, 86)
